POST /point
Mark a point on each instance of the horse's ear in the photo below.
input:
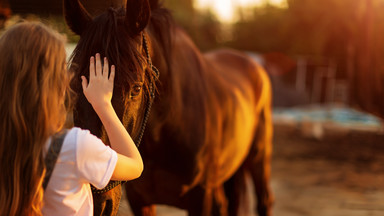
(137, 15)
(76, 16)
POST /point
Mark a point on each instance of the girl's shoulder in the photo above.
(78, 131)
(80, 134)
(83, 136)
(84, 141)
(78, 139)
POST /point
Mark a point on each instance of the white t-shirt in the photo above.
(83, 159)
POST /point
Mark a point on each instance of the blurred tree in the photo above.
(5, 12)
(368, 81)
(182, 10)
(263, 33)
(203, 27)
(46, 7)
(349, 34)
(208, 32)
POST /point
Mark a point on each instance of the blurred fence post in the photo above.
(301, 74)
(362, 87)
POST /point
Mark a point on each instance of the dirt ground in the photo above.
(341, 174)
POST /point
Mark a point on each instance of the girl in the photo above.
(34, 86)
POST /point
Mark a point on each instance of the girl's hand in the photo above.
(99, 93)
(100, 88)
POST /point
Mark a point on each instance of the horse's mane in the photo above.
(162, 26)
(105, 37)
(187, 80)
(186, 70)
(174, 44)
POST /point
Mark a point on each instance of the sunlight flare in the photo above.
(225, 10)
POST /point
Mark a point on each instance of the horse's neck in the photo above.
(187, 65)
(183, 88)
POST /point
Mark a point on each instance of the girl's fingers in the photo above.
(98, 65)
(84, 82)
(92, 72)
(106, 68)
(112, 74)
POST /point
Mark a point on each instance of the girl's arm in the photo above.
(99, 93)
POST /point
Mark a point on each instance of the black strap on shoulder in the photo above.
(53, 154)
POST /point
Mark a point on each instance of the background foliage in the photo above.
(347, 34)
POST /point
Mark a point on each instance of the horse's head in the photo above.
(117, 34)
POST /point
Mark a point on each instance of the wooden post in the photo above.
(362, 88)
(301, 74)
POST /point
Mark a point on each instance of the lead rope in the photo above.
(155, 77)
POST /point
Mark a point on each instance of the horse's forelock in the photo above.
(108, 36)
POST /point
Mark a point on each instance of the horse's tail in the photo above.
(258, 162)
(259, 159)
(264, 132)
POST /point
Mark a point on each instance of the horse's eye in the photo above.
(135, 91)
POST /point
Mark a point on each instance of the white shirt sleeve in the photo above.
(96, 161)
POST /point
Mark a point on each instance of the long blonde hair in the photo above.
(34, 84)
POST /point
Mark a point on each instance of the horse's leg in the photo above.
(194, 200)
(149, 210)
(107, 203)
(235, 191)
(138, 206)
(200, 202)
(220, 202)
(259, 163)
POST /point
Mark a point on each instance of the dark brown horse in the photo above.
(210, 125)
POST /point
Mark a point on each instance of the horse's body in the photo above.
(220, 102)
(209, 126)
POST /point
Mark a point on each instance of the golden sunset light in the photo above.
(192, 107)
(225, 10)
